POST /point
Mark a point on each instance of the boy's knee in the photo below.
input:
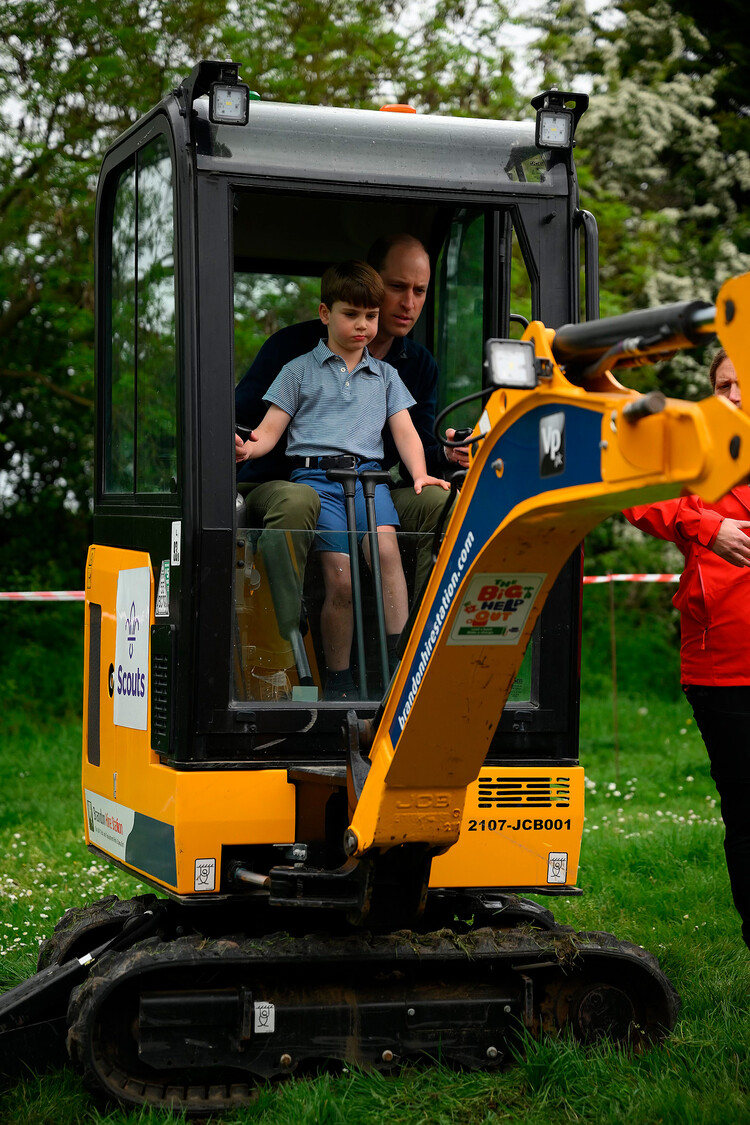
(388, 549)
(337, 576)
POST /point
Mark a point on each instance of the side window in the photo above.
(460, 314)
(119, 472)
(141, 364)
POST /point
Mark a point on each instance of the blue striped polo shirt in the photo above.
(334, 410)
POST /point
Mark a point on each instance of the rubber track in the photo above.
(572, 958)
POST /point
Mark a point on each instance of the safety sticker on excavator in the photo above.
(162, 594)
(265, 1017)
(557, 867)
(205, 874)
(495, 608)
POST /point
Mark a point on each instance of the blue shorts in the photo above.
(331, 527)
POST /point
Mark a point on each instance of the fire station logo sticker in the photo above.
(495, 608)
(131, 648)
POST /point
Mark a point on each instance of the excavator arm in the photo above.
(548, 464)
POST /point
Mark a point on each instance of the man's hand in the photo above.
(458, 456)
(731, 542)
(420, 482)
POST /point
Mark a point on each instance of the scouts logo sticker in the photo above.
(552, 444)
(131, 648)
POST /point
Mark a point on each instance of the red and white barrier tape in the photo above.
(78, 595)
(42, 596)
(595, 578)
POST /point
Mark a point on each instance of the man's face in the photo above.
(406, 275)
(726, 382)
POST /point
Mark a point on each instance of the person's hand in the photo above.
(731, 542)
(458, 456)
(420, 482)
(243, 449)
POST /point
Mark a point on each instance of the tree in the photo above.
(655, 164)
(73, 77)
(69, 83)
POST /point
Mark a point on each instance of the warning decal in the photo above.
(557, 867)
(162, 594)
(495, 608)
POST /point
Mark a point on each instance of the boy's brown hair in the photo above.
(353, 282)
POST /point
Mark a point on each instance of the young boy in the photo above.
(336, 400)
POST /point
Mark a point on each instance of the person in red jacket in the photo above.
(713, 598)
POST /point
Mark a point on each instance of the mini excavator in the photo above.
(342, 883)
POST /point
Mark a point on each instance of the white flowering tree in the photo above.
(663, 163)
(658, 154)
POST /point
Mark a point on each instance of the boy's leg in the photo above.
(337, 622)
(395, 596)
(420, 514)
(336, 617)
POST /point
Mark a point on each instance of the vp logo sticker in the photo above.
(552, 444)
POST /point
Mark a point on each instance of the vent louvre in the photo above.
(524, 793)
(162, 679)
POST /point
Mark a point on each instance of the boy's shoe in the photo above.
(336, 695)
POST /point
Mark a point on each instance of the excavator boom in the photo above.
(549, 464)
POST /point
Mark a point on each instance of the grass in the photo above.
(652, 871)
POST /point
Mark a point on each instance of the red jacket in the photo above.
(713, 596)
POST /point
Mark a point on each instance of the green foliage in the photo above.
(70, 82)
(655, 165)
(41, 666)
(73, 77)
(646, 656)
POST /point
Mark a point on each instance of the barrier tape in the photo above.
(78, 595)
(42, 596)
(593, 578)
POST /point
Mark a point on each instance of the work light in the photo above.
(557, 114)
(229, 103)
(511, 363)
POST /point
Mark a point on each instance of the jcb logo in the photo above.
(424, 801)
(552, 444)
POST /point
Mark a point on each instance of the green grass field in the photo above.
(652, 871)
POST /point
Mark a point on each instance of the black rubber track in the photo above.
(325, 989)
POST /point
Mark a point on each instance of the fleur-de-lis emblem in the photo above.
(132, 625)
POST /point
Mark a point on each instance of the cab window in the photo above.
(140, 358)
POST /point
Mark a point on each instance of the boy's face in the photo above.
(350, 328)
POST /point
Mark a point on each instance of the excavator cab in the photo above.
(203, 655)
